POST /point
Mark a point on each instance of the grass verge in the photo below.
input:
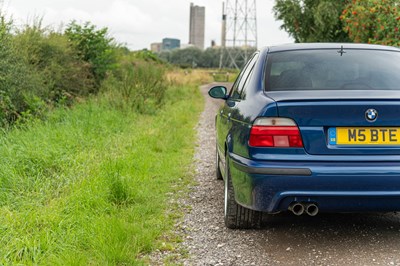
(92, 185)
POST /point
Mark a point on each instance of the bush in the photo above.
(93, 46)
(49, 53)
(19, 84)
(39, 68)
(146, 55)
(140, 84)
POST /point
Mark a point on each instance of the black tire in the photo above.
(235, 215)
(218, 174)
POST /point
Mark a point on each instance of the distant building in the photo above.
(170, 44)
(197, 25)
(156, 47)
(184, 46)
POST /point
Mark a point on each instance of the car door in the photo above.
(229, 113)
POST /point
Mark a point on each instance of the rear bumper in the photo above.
(334, 186)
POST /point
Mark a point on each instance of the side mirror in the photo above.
(218, 92)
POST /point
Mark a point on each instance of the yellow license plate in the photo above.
(364, 136)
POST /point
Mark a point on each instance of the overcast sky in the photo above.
(137, 23)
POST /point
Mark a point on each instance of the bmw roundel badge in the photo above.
(371, 115)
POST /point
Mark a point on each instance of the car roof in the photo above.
(317, 46)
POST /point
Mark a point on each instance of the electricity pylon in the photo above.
(239, 31)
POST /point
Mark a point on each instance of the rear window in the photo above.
(333, 69)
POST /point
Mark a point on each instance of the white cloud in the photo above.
(124, 17)
(139, 23)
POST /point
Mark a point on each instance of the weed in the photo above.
(139, 85)
(91, 185)
(88, 183)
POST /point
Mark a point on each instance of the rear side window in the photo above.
(332, 70)
(241, 81)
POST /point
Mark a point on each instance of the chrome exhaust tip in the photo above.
(312, 209)
(296, 208)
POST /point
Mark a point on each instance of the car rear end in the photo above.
(334, 144)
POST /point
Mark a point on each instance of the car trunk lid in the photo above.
(335, 122)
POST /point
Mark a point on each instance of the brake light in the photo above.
(275, 132)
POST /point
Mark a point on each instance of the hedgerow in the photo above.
(41, 68)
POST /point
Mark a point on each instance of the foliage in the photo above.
(373, 21)
(94, 46)
(312, 20)
(210, 58)
(183, 77)
(225, 76)
(193, 57)
(40, 69)
(92, 185)
(138, 84)
(186, 58)
(146, 55)
(64, 75)
(20, 86)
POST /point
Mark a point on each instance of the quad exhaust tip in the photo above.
(298, 208)
(312, 209)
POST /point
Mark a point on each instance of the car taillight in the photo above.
(275, 132)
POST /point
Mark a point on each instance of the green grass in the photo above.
(91, 185)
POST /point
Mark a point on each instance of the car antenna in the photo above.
(341, 51)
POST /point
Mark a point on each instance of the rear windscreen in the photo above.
(333, 69)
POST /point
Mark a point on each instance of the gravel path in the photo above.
(208, 241)
(327, 239)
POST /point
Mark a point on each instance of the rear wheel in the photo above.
(218, 174)
(237, 216)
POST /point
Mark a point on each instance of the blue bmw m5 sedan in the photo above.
(310, 128)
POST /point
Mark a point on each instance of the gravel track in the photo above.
(327, 239)
(208, 241)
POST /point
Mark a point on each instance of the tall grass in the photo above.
(139, 84)
(86, 178)
(189, 76)
(91, 185)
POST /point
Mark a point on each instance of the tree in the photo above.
(188, 57)
(209, 58)
(373, 21)
(94, 46)
(312, 20)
